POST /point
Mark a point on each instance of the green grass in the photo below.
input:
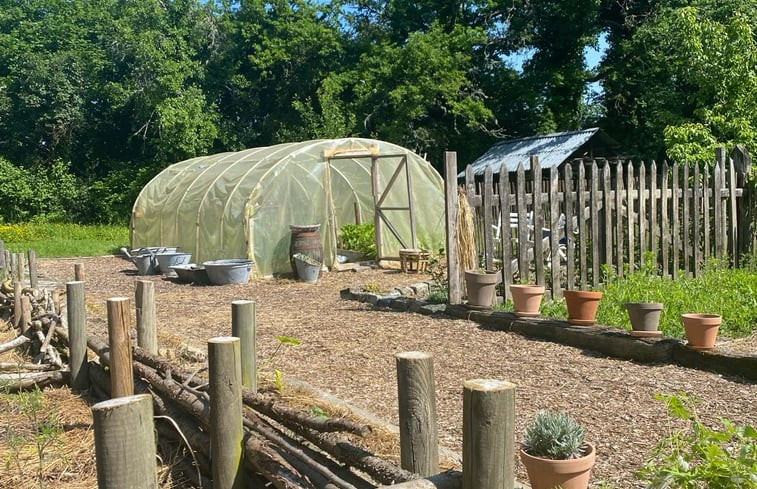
(64, 240)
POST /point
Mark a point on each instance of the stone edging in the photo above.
(613, 342)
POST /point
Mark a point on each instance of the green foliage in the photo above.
(554, 435)
(268, 368)
(360, 238)
(718, 289)
(52, 240)
(699, 456)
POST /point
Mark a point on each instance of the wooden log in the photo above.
(416, 392)
(17, 313)
(451, 204)
(121, 376)
(488, 434)
(76, 315)
(20, 340)
(18, 382)
(243, 327)
(26, 313)
(264, 460)
(78, 272)
(226, 433)
(450, 479)
(147, 328)
(24, 367)
(125, 443)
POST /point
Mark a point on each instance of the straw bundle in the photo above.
(466, 243)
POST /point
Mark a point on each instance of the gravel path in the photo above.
(348, 350)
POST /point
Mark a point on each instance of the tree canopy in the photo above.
(100, 95)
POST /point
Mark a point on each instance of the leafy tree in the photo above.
(686, 80)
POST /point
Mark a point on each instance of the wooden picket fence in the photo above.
(592, 215)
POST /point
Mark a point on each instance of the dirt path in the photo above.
(348, 350)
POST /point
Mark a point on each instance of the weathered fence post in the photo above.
(147, 331)
(243, 326)
(17, 313)
(453, 257)
(742, 161)
(79, 272)
(226, 433)
(416, 392)
(32, 259)
(20, 268)
(121, 376)
(77, 335)
(488, 434)
(3, 262)
(125, 443)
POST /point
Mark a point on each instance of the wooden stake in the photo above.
(419, 439)
(17, 313)
(147, 330)
(243, 327)
(20, 268)
(77, 326)
(226, 432)
(125, 443)
(453, 257)
(78, 272)
(32, 258)
(121, 376)
(488, 434)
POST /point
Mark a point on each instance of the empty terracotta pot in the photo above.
(527, 299)
(701, 330)
(582, 306)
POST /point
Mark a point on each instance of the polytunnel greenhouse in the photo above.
(242, 204)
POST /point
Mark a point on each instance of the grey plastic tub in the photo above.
(168, 260)
(233, 271)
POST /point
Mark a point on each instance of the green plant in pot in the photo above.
(555, 452)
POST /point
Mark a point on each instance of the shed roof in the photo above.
(552, 150)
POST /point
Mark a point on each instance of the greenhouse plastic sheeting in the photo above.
(241, 204)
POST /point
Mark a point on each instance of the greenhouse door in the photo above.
(386, 213)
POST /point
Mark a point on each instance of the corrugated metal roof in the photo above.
(552, 150)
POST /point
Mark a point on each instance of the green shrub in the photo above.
(698, 456)
(360, 238)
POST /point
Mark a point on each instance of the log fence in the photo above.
(257, 438)
(563, 228)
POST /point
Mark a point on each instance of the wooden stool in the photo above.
(413, 260)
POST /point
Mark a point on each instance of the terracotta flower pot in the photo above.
(645, 318)
(701, 330)
(481, 288)
(527, 299)
(545, 473)
(582, 306)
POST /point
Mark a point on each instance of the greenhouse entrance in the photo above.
(389, 205)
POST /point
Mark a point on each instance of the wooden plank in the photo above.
(451, 204)
(696, 211)
(664, 220)
(607, 213)
(675, 220)
(630, 215)
(554, 231)
(486, 211)
(594, 204)
(522, 211)
(654, 230)
(570, 237)
(505, 203)
(619, 230)
(686, 219)
(706, 221)
(717, 184)
(732, 218)
(538, 220)
(642, 198)
(581, 215)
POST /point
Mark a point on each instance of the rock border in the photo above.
(609, 341)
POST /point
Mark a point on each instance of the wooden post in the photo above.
(453, 256)
(594, 203)
(121, 376)
(538, 220)
(79, 272)
(742, 161)
(20, 268)
(77, 335)
(125, 443)
(147, 329)
(419, 439)
(520, 201)
(717, 203)
(226, 433)
(486, 211)
(17, 313)
(26, 312)
(243, 326)
(488, 434)
(358, 214)
(581, 213)
(665, 219)
(570, 237)
(505, 229)
(554, 232)
(3, 263)
(32, 259)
